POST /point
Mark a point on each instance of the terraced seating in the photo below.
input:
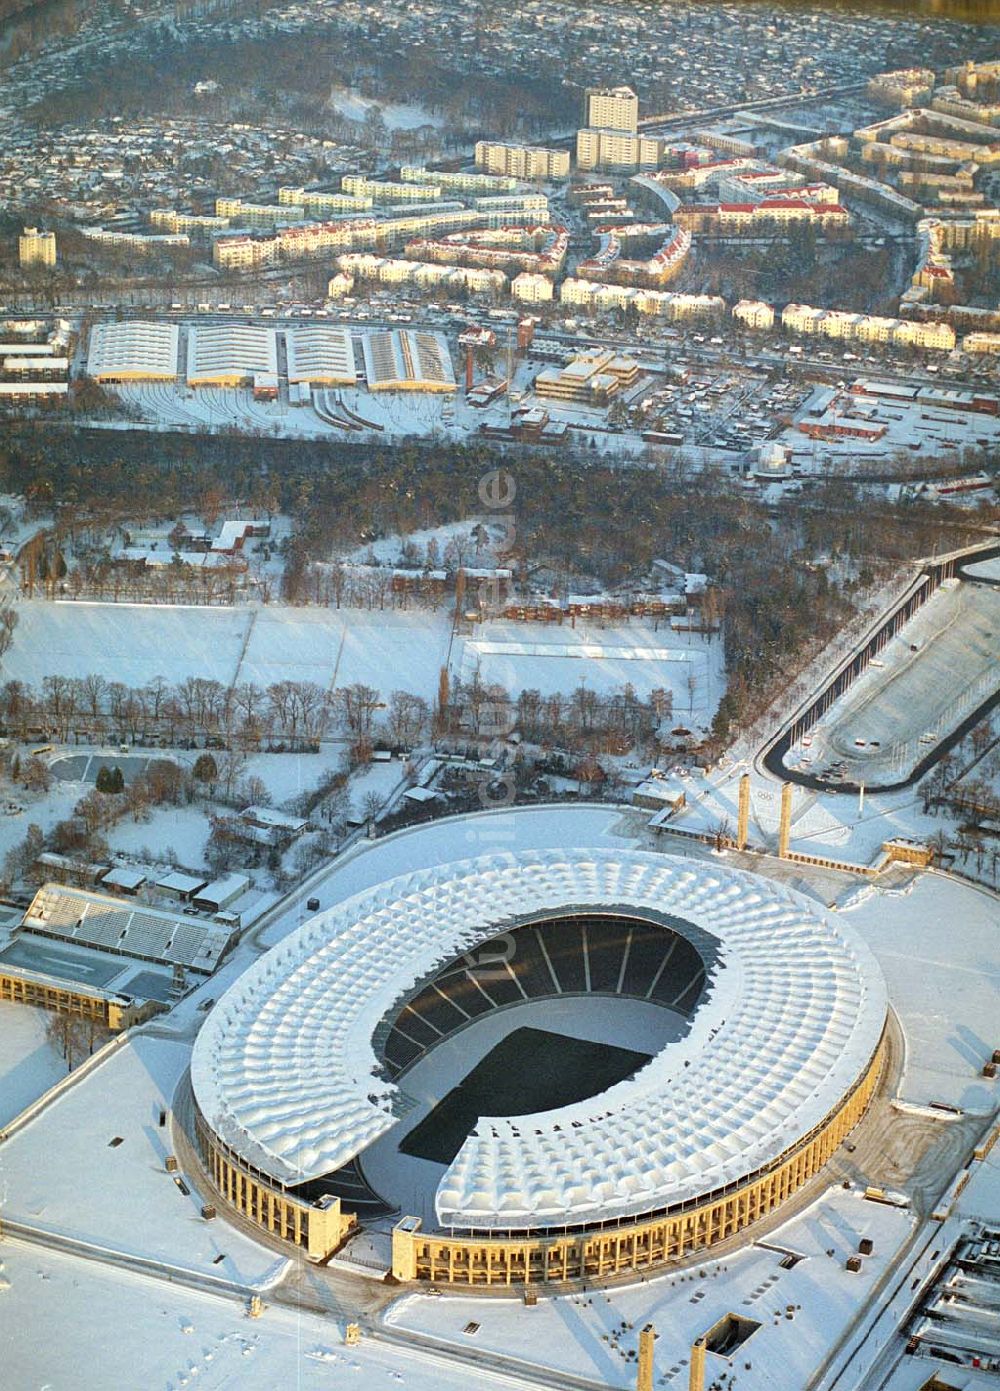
(599, 954)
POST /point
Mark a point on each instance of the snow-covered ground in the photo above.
(74, 1324)
(174, 835)
(29, 1063)
(388, 649)
(553, 658)
(939, 667)
(349, 102)
(581, 1334)
(936, 943)
(60, 1173)
(912, 430)
(136, 642)
(131, 643)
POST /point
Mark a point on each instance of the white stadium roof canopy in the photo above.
(286, 1073)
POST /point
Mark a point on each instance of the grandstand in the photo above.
(407, 360)
(132, 351)
(227, 354)
(108, 924)
(321, 354)
(595, 954)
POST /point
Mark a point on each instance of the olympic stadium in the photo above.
(540, 1065)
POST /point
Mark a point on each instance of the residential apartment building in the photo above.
(902, 88)
(531, 288)
(35, 248)
(754, 313)
(522, 161)
(867, 328)
(981, 343)
(257, 214)
(493, 182)
(612, 108)
(388, 191)
(170, 220)
(324, 202)
(599, 148)
(598, 295)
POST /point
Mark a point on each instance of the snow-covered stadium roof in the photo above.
(286, 1073)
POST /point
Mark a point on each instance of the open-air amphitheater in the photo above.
(769, 1047)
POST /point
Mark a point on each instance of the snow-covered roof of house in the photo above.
(287, 1071)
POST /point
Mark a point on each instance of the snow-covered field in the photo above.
(391, 649)
(555, 658)
(580, 1335)
(124, 642)
(940, 666)
(29, 1063)
(59, 1172)
(936, 944)
(135, 642)
(72, 1325)
(172, 835)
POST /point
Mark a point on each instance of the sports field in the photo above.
(531, 1070)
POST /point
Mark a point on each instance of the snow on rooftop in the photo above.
(286, 1071)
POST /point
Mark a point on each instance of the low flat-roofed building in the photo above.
(230, 354)
(322, 354)
(132, 351)
(124, 881)
(179, 885)
(222, 892)
(408, 360)
(266, 826)
(591, 377)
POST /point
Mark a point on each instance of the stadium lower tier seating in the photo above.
(586, 954)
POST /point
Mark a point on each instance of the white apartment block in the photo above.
(903, 88)
(257, 214)
(597, 295)
(324, 202)
(35, 248)
(136, 241)
(522, 161)
(598, 148)
(754, 313)
(867, 328)
(532, 289)
(612, 108)
(464, 182)
(387, 191)
(244, 253)
(170, 220)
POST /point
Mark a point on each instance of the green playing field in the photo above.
(531, 1070)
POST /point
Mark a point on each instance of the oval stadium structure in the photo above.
(776, 1019)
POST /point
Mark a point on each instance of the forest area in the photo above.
(787, 580)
